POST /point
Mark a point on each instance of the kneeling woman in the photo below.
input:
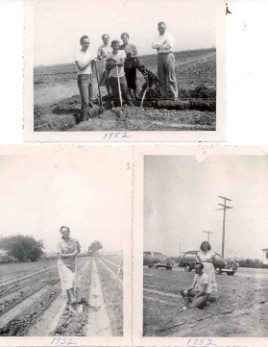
(67, 251)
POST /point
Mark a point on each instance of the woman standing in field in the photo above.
(206, 256)
(67, 250)
(130, 69)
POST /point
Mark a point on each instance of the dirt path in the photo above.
(12, 313)
(98, 321)
(48, 322)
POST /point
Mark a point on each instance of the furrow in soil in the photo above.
(98, 321)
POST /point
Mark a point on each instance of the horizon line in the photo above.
(140, 56)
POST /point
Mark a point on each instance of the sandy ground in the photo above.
(56, 100)
(239, 310)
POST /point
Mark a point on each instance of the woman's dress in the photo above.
(206, 258)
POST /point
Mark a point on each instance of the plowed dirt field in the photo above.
(57, 101)
(240, 308)
(32, 303)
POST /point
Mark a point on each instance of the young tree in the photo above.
(23, 248)
(94, 247)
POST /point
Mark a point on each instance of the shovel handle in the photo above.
(97, 77)
(119, 88)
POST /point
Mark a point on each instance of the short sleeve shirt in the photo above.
(106, 50)
(200, 281)
(119, 58)
(159, 40)
(84, 58)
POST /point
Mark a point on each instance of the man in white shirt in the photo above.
(115, 68)
(198, 293)
(102, 53)
(84, 64)
(164, 43)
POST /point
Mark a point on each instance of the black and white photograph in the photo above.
(144, 69)
(65, 227)
(205, 246)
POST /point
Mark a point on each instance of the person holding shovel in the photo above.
(67, 250)
(84, 64)
(115, 68)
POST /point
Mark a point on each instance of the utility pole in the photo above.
(208, 232)
(224, 208)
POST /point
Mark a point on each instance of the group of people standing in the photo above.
(119, 65)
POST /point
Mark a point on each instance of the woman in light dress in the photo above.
(67, 250)
(206, 256)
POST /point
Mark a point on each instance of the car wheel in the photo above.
(218, 271)
(169, 268)
(188, 268)
(230, 273)
(150, 266)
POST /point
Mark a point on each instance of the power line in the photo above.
(224, 208)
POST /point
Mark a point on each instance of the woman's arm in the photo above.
(68, 255)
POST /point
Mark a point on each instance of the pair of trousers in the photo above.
(166, 74)
(123, 85)
(130, 73)
(86, 92)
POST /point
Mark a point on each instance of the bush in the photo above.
(22, 248)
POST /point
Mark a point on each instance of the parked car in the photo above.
(157, 260)
(221, 265)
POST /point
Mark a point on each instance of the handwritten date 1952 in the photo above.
(115, 135)
(62, 341)
(200, 342)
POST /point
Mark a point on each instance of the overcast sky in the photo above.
(59, 24)
(181, 198)
(88, 193)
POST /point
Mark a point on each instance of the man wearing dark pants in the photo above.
(84, 65)
(164, 43)
(115, 67)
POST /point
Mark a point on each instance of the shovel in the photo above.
(119, 89)
(146, 90)
(76, 308)
(97, 77)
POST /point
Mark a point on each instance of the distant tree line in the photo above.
(94, 248)
(22, 248)
(254, 263)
